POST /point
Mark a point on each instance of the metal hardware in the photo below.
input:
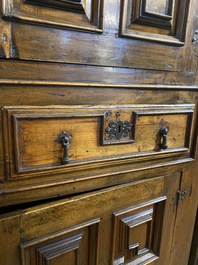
(194, 39)
(181, 195)
(118, 129)
(163, 133)
(64, 139)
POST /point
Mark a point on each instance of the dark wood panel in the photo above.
(71, 74)
(193, 259)
(85, 16)
(43, 94)
(168, 27)
(105, 49)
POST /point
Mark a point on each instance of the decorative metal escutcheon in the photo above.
(118, 129)
(64, 139)
(163, 132)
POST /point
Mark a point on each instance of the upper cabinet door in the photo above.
(146, 34)
(163, 20)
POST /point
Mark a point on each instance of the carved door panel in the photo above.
(127, 224)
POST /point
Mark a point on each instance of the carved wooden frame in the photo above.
(189, 114)
(84, 15)
(47, 248)
(142, 16)
(136, 22)
(128, 245)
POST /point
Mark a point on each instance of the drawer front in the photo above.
(66, 138)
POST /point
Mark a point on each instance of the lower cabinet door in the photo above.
(127, 224)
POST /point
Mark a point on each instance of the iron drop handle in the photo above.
(64, 139)
(163, 132)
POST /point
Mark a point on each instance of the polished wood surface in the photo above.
(110, 74)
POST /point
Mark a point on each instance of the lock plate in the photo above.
(118, 132)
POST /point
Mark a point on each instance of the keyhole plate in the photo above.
(118, 132)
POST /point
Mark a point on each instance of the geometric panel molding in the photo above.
(137, 233)
(73, 246)
(85, 15)
(66, 249)
(162, 20)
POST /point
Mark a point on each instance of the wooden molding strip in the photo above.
(103, 85)
(67, 181)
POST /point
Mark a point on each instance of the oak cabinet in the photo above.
(98, 132)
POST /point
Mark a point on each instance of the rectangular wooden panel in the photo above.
(76, 245)
(80, 15)
(163, 7)
(135, 232)
(164, 21)
(96, 135)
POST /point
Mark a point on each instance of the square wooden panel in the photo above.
(163, 21)
(137, 233)
(178, 123)
(69, 246)
(85, 15)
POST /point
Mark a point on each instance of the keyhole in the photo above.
(119, 128)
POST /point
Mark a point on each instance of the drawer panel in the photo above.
(35, 137)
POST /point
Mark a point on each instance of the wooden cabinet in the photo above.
(98, 132)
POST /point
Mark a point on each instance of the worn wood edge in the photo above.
(141, 205)
(97, 163)
(68, 181)
(31, 20)
(99, 85)
(79, 197)
(99, 109)
(59, 233)
(171, 41)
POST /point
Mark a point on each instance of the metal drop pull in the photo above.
(163, 132)
(64, 139)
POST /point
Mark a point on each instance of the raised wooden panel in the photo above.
(163, 7)
(137, 233)
(75, 245)
(153, 14)
(81, 15)
(181, 119)
(163, 21)
(71, 5)
(32, 135)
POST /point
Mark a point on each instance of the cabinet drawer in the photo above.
(66, 138)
